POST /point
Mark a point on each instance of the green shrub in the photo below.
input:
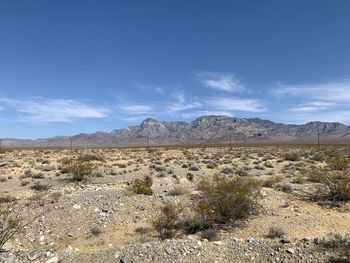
(79, 170)
(225, 200)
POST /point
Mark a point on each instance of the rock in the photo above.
(105, 209)
(35, 254)
(76, 206)
(41, 239)
(291, 251)
(11, 259)
(285, 240)
(52, 260)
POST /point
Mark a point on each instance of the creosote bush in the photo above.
(338, 184)
(12, 221)
(141, 187)
(276, 232)
(338, 163)
(168, 224)
(225, 200)
(79, 169)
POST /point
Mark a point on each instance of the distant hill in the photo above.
(205, 129)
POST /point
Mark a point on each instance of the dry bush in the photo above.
(225, 200)
(338, 244)
(338, 163)
(272, 180)
(291, 156)
(12, 221)
(79, 170)
(338, 184)
(276, 232)
(178, 190)
(141, 187)
(168, 224)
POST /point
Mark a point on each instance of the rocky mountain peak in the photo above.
(148, 122)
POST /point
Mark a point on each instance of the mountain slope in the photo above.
(205, 129)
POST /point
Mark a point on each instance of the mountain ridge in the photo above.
(204, 129)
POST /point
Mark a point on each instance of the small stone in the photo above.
(290, 250)
(116, 255)
(41, 239)
(35, 254)
(218, 243)
(76, 206)
(52, 260)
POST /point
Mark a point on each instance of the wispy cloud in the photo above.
(180, 103)
(136, 108)
(221, 81)
(52, 110)
(338, 91)
(235, 104)
(312, 106)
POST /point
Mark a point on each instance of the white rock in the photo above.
(52, 260)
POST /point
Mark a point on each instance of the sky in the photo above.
(81, 66)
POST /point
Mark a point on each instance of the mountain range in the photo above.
(203, 130)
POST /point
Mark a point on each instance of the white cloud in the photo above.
(312, 106)
(329, 92)
(136, 108)
(53, 110)
(221, 81)
(230, 104)
(180, 104)
(342, 116)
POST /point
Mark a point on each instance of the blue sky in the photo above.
(72, 66)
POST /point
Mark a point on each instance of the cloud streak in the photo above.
(221, 81)
(52, 110)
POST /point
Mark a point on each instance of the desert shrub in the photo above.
(227, 170)
(338, 184)
(12, 221)
(338, 244)
(276, 232)
(79, 170)
(299, 179)
(291, 156)
(178, 190)
(40, 187)
(168, 224)
(338, 163)
(225, 200)
(91, 157)
(143, 232)
(210, 234)
(314, 175)
(193, 167)
(38, 176)
(141, 187)
(241, 172)
(190, 177)
(284, 187)
(95, 231)
(268, 164)
(272, 180)
(148, 180)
